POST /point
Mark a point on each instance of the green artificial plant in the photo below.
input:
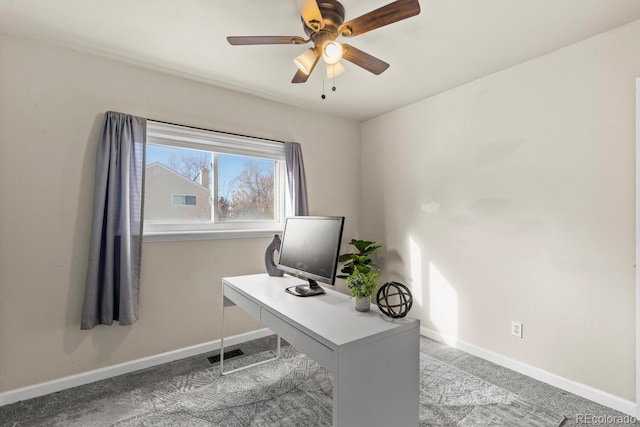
(359, 270)
(362, 285)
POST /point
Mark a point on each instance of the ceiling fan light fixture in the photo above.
(334, 70)
(332, 52)
(305, 60)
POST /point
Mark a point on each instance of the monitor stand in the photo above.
(306, 290)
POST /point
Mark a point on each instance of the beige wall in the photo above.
(512, 198)
(51, 107)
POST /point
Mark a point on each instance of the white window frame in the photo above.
(222, 143)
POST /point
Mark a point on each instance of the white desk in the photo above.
(374, 361)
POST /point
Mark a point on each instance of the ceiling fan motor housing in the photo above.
(333, 16)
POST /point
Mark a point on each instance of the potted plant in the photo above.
(360, 272)
(362, 286)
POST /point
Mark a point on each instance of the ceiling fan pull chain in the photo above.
(333, 66)
(323, 95)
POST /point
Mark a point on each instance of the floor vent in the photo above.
(227, 355)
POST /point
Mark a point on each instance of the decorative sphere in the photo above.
(394, 299)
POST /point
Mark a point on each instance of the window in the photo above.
(206, 184)
(184, 200)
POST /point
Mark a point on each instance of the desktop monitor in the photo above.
(309, 250)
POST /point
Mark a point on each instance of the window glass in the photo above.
(199, 180)
(245, 188)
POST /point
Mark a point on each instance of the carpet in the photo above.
(452, 397)
(293, 391)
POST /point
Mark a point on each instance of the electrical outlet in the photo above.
(516, 329)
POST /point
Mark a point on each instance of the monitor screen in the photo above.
(310, 247)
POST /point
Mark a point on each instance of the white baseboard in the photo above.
(614, 402)
(41, 389)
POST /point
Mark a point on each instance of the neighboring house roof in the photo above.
(158, 164)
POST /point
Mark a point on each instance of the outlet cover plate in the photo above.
(516, 329)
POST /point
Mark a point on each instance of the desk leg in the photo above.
(222, 337)
(252, 364)
(377, 384)
(222, 372)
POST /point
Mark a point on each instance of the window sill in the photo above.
(178, 236)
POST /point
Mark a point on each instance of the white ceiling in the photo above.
(450, 43)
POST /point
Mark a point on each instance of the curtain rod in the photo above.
(213, 130)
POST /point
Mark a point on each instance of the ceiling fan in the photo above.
(323, 22)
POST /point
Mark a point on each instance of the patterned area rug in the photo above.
(452, 397)
(294, 391)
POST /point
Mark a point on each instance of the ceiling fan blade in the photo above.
(363, 59)
(253, 40)
(301, 76)
(393, 12)
(311, 14)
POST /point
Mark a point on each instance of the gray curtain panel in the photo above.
(113, 276)
(296, 177)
